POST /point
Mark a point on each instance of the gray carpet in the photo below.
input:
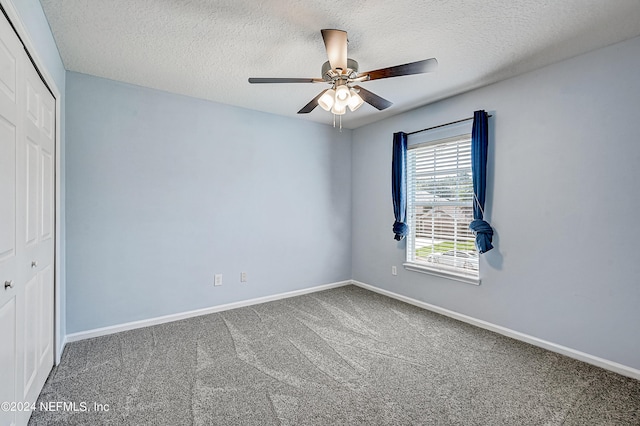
(343, 356)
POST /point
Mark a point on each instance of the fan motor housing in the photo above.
(328, 74)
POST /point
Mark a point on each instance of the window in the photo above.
(439, 209)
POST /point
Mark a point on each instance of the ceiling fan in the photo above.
(342, 74)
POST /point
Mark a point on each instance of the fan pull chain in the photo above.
(334, 122)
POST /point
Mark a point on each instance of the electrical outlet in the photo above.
(217, 279)
(394, 270)
(243, 277)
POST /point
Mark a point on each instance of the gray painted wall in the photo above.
(564, 167)
(164, 191)
(35, 22)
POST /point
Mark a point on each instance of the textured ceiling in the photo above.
(208, 48)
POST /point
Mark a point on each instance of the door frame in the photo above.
(58, 278)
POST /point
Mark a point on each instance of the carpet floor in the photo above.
(345, 356)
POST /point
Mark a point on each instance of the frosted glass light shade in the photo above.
(355, 101)
(326, 101)
(342, 93)
(339, 108)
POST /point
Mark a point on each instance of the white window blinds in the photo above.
(439, 202)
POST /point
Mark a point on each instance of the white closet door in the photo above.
(27, 141)
(10, 276)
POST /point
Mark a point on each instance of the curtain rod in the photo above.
(442, 125)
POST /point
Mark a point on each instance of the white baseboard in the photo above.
(571, 353)
(103, 331)
(60, 350)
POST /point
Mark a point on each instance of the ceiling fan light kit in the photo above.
(342, 74)
(339, 99)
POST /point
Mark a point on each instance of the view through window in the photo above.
(439, 203)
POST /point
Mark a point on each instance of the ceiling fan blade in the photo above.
(311, 105)
(285, 80)
(373, 99)
(335, 41)
(419, 67)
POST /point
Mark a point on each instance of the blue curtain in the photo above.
(479, 144)
(399, 185)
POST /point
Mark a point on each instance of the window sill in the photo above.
(416, 267)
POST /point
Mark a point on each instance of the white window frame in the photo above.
(463, 274)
